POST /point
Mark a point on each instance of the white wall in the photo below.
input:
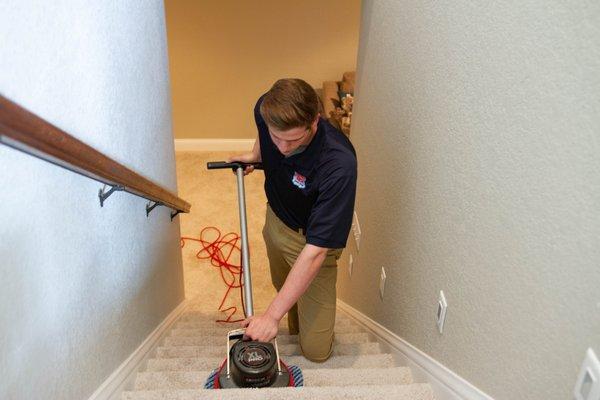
(82, 286)
(478, 136)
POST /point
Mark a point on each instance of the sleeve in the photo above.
(331, 217)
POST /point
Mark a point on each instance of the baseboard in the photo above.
(118, 381)
(214, 144)
(446, 384)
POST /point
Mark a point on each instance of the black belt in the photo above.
(301, 231)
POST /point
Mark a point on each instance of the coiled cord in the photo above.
(219, 251)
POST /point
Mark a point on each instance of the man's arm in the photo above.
(264, 327)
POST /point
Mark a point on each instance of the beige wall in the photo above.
(225, 54)
(81, 287)
(477, 131)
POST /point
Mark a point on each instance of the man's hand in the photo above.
(261, 327)
(245, 158)
(252, 157)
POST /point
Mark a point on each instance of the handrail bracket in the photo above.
(151, 205)
(102, 195)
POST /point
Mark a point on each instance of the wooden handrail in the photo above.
(31, 134)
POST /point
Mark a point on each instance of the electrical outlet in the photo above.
(356, 230)
(587, 386)
(441, 311)
(382, 278)
(350, 265)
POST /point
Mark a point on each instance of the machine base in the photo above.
(292, 377)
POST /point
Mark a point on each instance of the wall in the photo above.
(477, 136)
(225, 54)
(82, 286)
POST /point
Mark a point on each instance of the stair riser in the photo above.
(385, 392)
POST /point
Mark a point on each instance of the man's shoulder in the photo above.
(338, 152)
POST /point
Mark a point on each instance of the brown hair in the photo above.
(290, 103)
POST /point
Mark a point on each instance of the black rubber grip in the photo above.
(233, 165)
(236, 336)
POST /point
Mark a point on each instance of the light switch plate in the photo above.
(441, 311)
(356, 232)
(382, 278)
(587, 386)
(350, 265)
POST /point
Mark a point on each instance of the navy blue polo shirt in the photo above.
(313, 190)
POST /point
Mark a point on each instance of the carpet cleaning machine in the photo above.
(249, 363)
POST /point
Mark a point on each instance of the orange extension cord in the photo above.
(219, 251)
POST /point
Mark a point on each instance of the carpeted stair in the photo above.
(358, 369)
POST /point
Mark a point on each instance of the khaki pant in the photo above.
(313, 316)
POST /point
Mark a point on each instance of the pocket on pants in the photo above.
(331, 258)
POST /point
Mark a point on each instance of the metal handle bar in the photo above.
(233, 165)
(238, 168)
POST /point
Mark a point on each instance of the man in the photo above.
(310, 183)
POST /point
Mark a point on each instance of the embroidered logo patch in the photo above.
(299, 180)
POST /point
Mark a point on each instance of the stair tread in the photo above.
(340, 361)
(312, 377)
(213, 317)
(415, 391)
(199, 340)
(284, 350)
(187, 330)
(212, 323)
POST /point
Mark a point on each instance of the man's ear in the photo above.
(316, 122)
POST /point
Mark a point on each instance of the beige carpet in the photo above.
(213, 195)
(359, 367)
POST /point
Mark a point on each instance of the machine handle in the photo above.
(239, 334)
(239, 169)
(233, 165)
